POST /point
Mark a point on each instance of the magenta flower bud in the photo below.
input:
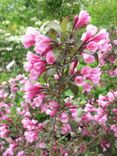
(81, 20)
(50, 57)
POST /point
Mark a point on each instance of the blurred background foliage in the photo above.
(17, 15)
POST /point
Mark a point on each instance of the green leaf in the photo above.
(74, 88)
(55, 25)
(52, 33)
(64, 24)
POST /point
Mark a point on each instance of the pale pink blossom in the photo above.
(88, 58)
(4, 131)
(91, 30)
(113, 73)
(29, 124)
(37, 102)
(100, 117)
(64, 117)
(103, 101)
(114, 129)
(52, 108)
(41, 145)
(56, 76)
(92, 46)
(104, 45)
(79, 80)
(35, 65)
(66, 128)
(31, 136)
(86, 71)
(95, 75)
(10, 150)
(43, 45)
(110, 96)
(115, 42)
(21, 153)
(28, 39)
(89, 108)
(87, 87)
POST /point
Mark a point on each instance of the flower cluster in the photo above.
(36, 63)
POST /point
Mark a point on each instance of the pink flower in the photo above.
(10, 150)
(92, 29)
(56, 76)
(92, 46)
(86, 71)
(90, 32)
(4, 131)
(29, 124)
(100, 117)
(21, 153)
(50, 58)
(112, 59)
(88, 58)
(89, 108)
(64, 117)
(73, 66)
(86, 37)
(104, 45)
(82, 148)
(87, 117)
(52, 108)
(81, 20)
(87, 87)
(37, 102)
(74, 113)
(95, 75)
(53, 105)
(105, 145)
(110, 96)
(102, 35)
(51, 112)
(66, 129)
(113, 73)
(43, 45)
(114, 129)
(28, 39)
(79, 80)
(31, 90)
(115, 110)
(35, 65)
(115, 42)
(99, 41)
(31, 136)
(103, 101)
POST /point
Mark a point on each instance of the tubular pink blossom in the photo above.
(81, 20)
(31, 90)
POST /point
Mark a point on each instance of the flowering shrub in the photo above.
(55, 111)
